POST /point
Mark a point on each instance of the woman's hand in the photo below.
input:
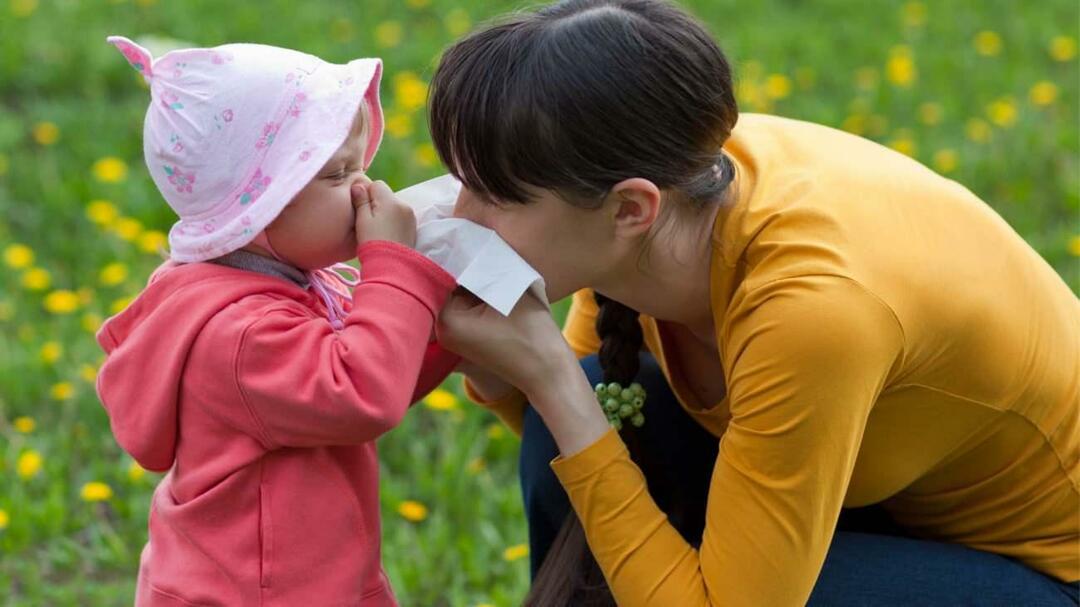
(527, 350)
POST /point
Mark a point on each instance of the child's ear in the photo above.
(637, 206)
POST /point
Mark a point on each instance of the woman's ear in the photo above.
(637, 206)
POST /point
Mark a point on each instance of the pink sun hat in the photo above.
(234, 132)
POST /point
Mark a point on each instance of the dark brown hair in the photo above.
(574, 98)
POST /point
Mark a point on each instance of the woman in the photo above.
(828, 325)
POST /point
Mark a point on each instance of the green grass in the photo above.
(826, 61)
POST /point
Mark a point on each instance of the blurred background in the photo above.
(982, 91)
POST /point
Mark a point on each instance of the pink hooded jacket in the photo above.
(266, 419)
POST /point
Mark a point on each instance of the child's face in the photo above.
(316, 229)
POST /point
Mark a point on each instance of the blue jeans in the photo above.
(870, 561)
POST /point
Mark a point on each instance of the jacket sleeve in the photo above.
(306, 385)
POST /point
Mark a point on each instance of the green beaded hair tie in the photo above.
(622, 403)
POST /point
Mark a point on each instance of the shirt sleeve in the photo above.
(307, 385)
(804, 360)
(580, 327)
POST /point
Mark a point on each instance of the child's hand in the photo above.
(381, 216)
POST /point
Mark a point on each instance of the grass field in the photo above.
(984, 91)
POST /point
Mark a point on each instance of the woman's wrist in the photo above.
(567, 403)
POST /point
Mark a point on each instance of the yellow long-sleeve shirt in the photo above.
(885, 337)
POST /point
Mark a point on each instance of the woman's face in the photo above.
(569, 246)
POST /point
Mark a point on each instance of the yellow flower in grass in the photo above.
(61, 302)
(855, 124)
(127, 228)
(152, 241)
(515, 553)
(1043, 93)
(4, 519)
(18, 256)
(913, 14)
(88, 373)
(29, 464)
(987, 43)
(23, 8)
(135, 472)
(457, 22)
(46, 133)
(900, 68)
(978, 130)
(36, 279)
(945, 160)
(110, 170)
(441, 400)
(91, 322)
(398, 125)
(904, 143)
(496, 431)
(476, 465)
(410, 91)
(388, 34)
(412, 511)
(426, 155)
(96, 492)
(24, 424)
(777, 86)
(1062, 48)
(113, 274)
(1074, 245)
(62, 391)
(102, 212)
(931, 113)
(51, 352)
(1003, 112)
(118, 305)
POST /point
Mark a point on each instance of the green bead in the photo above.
(626, 411)
(638, 420)
(600, 389)
(626, 395)
(616, 423)
(614, 389)
(637, 389)
(611, 405)
(637, 403)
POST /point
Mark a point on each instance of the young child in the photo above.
(253, 379)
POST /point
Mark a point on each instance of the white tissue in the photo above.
(477, 257)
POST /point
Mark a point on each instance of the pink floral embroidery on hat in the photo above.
(170, 100)
(270, 130)
(255, 188)
(180, 179)
(295, 106)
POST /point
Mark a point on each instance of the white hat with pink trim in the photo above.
(234, 132)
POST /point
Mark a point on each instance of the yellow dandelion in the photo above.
(91, 322)
(855, 124)
(62, 391)
(127, 228)
(1074, 245)
(51, 352)
(96, 491)
(1003, 112)
(135, 472)
(18, 256)
(441, 400)
(24, 424)
(399, 125)
(388, 34)
(29, 464)
(457, 22)
(900, 69)
(1062, 48)
(904, 144)
(931, 113)
(110, 170)
(412, 511)
(476, 465)
(515, 553)
(342, 30)
(36, 279)
(46, 133)
(23, 8)
(777, 86)
(61, 301)
(496, 431)
(152, 241)
(945, 160)
(1043, 93)
(866, 78)
(988, 43)
(118, 306)
(978, 130)
(410, 91)
(88, 373)
(113, 274)
(4, 519)
(913, 14)
(749, 92)
(102, 212)
(426, 155)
